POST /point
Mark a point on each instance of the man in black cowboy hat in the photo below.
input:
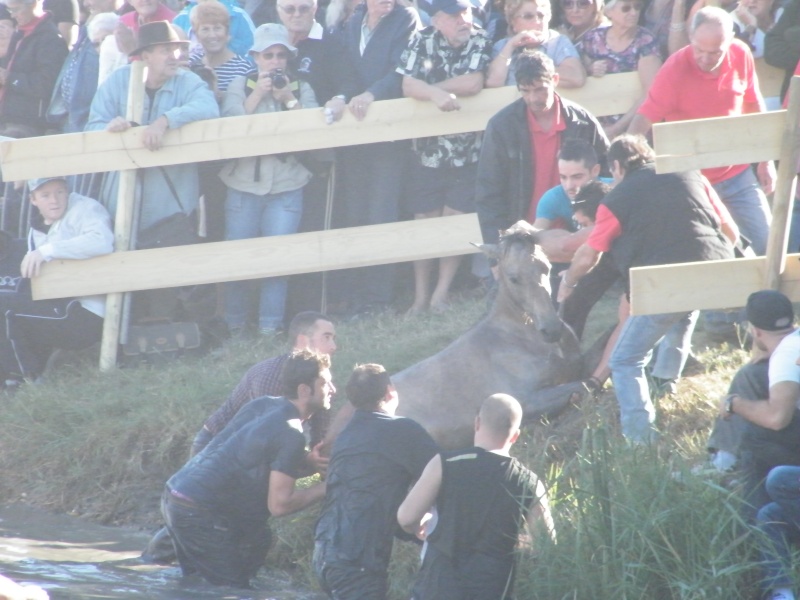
(174, 97)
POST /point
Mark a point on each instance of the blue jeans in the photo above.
(780, 522)
(249, 216)
(748, 206)
(633, 351)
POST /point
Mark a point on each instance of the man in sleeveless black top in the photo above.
(483, 497)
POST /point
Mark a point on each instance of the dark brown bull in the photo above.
(520, 348)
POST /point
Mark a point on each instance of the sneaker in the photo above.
(781, 594)
(723, 461)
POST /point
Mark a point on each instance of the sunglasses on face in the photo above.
(576, 4)
(303, 9)
(626, 8)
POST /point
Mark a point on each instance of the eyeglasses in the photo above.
(626, 8)
(576, 4)
(303, 9)
(271, 55)
(539, 16)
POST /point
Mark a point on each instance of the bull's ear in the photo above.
(490, 250)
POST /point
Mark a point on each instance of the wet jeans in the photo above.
(780, 522)
(633, 351)
(346, 581)
(221, 551)
(250, 216)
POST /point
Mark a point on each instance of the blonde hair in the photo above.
(210, 11)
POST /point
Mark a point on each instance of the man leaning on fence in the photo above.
(443, 63)
(173, 98)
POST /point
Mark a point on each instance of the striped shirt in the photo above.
(227, 71)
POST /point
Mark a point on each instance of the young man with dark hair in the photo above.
(217, 505)
(561, 234)
(308, 329)
(375, 459)
(518, 161)
(263, 382)
(648, 219)
(483, 497)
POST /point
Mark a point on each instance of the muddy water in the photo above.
(73, 559)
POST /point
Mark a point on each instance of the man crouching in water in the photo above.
(375, 459)
(482, 497)
(216, 507)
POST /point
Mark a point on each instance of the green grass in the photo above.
(632, 522)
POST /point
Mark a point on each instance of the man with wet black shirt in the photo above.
(375, 459)
(217, 506)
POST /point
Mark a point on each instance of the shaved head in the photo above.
(501, 414)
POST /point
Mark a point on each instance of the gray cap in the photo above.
(34, 184)
(270, 34)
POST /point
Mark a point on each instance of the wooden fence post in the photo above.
(783, 199)
(122, 223)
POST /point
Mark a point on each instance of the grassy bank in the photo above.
(632, 523)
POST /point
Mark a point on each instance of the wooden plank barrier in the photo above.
(717, 142)
(235, 137)
(726, 284)
(260, 257)
(714, 284)
(274, 133)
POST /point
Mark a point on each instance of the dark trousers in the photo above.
(575, 309)
(468, 577)
(222, 552)
(33, 329)
(759, 449)
(348, 582)
(372, 180)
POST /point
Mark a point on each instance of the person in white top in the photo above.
(65, 226)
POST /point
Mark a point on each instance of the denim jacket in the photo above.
(183, 99)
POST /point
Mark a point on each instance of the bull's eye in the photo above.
(514, 280)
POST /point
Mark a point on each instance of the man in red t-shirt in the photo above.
(714, 76)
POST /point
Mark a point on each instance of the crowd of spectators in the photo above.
(63, 69)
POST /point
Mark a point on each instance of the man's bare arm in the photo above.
(468, 84)
(421, 498)
(775, 412)
(640, 125)
(539, 515)
(284, 498)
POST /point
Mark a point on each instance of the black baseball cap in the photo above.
(769, 310)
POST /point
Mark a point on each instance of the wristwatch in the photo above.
(292, 103)
(729, 404)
